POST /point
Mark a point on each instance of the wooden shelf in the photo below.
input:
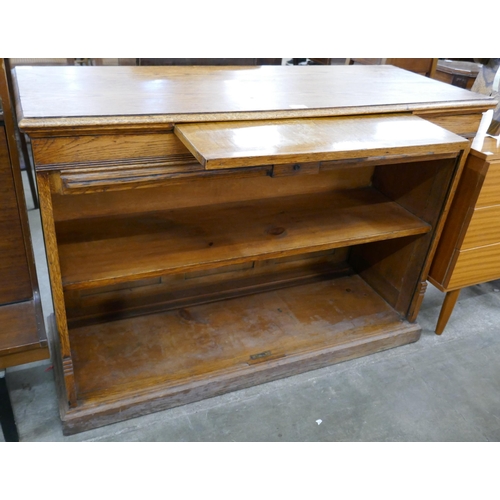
(108, 250)
(208, 349)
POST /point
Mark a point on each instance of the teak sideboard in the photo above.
(209, 229)
(469, 250)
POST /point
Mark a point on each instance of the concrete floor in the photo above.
(441, 388)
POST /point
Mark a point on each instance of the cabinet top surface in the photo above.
(75, 95)
(487, 147)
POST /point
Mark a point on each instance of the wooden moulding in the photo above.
(123, 177)
(159, 361)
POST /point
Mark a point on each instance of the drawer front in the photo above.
(490, 192)
(484, 228)
(477, 265)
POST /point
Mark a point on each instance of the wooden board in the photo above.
(20, 331)
(149, 362)
(242, 144)
(80, 97)
(107, 250)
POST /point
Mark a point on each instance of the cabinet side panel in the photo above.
(461, 211)
(395, 269)
(56, 285)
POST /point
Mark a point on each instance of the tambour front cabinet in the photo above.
(208, 229)
(469, 251)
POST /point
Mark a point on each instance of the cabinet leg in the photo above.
(7, 420)
(449, 303)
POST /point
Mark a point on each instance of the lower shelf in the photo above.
(22, 335)
(139, 365)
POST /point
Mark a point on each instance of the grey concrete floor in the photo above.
(439, 389)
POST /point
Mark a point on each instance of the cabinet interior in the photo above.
(210, 275)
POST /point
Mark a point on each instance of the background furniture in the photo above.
(466, 255)
(206, 240)
(25, 159)
(459, 73)
(22, 331)
(488, 83)
(469, 251)
(207, 61)
(422, 66)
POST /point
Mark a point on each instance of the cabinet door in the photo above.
(15, 284)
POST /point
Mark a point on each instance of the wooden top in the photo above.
(238, 144)
(487, 147)
(82, 96)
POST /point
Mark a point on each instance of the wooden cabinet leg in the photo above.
(449, 303)
(7, 420)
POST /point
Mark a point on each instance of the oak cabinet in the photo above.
(210, 229)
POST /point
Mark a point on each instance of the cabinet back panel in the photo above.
(186, 289)
(204, 191)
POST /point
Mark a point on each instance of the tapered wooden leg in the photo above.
(449, 303)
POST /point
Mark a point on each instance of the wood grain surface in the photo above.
(490, 192)
(19, 329)
(52, 97)
(477, 265)
(132, 223)
(209, 341)
(484, 228)
(238, 144)
(107, 250)
(15, 280)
